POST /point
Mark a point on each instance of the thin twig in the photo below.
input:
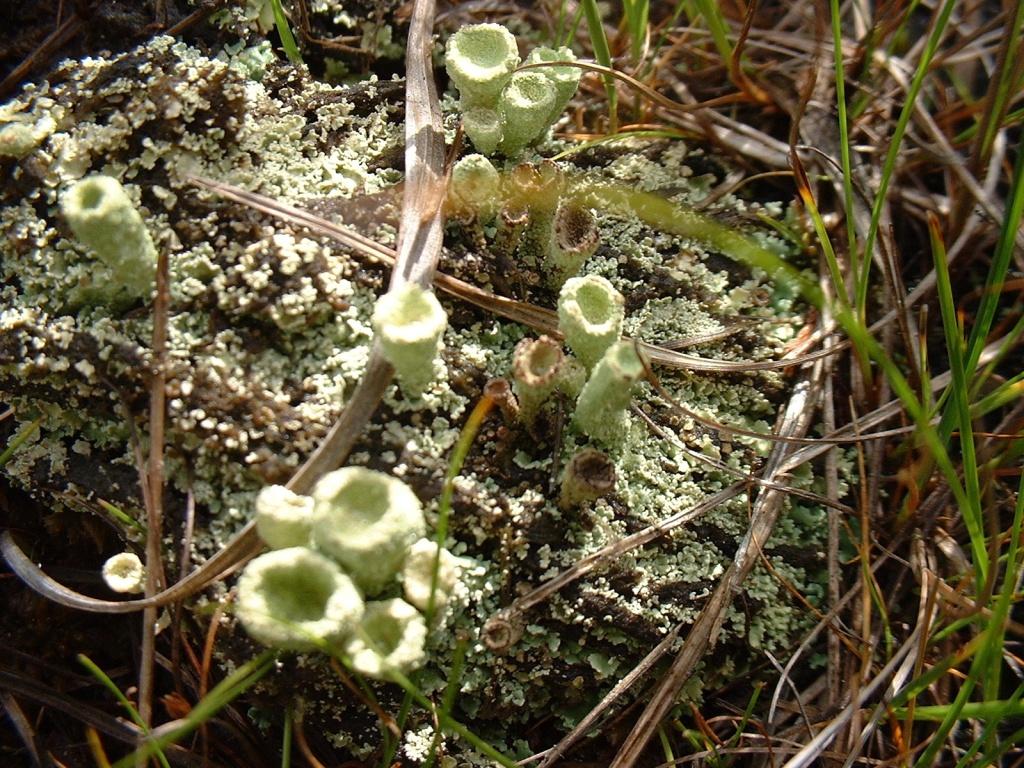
(155, 479)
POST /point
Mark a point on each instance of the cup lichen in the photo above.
(283, 518)
(601, 407)
(391, 638)
(105, 219)
(409, 322)
(124, 572)
(296, 599)
(480, 59)
(590, 315)
(367, 521)
(503, 109)
(536, 364)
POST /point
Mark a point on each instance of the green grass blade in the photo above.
(291, 49)
(223, 694)
(449, 724)
(133, 713)
(1000, 265)
(960, 386)
(603, 54)
(889, 165)
(972, 710)
(462, 446)
(844, 140)
(1005, 87)
(636, 13)
(286, 740)
(717, 27)
(19, 440)
(121, 516)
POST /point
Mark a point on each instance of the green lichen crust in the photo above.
(367, 521)
(590, 315)
(284, 518)
(105, 219)
(391, 638)
(601, 408)
(479, 60)
(409, 323)
(297, 600)
(269, 328)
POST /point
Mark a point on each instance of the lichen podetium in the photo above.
(269, 332)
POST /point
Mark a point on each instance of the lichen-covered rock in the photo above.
(270, 330)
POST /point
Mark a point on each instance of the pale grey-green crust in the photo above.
(269, 332)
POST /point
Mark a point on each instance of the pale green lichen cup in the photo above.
(601, 407)
(296, 599)
(366, 521)
(409, 323)
(390, 638)
(525, 107)
(480, 59)
(104, 218)
(590, 315)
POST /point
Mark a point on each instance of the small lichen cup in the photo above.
(125, 573)
(366, 521)
(391, 638)
(590, 315)
(418, 573)
(283, 518)
(525, 107)
(601, 408)
(535, 367)
(409, 322)
(298, 600)
(104, 218)
(564, 79)
(480, 59)
(476, 187)
(483, 127)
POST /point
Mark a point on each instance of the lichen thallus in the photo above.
(654, 209)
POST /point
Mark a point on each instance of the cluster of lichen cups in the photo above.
(359, 535)
(504, 110)
(601, 375)
(540, 222)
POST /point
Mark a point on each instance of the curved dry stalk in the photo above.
(815, 748)
(114, 727)
(22, 727)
